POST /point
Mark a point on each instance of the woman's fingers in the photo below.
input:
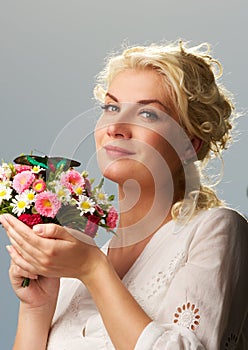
(21, 237)
(50, 250)
(16, 272)
(36, 253)
(52, 231)
(18, 266)
(29, 251)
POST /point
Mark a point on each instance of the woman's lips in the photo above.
(117, 151)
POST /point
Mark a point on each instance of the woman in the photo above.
(174, 276)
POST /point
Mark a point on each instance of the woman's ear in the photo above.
(192, 148)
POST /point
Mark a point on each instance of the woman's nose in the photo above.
(119, 130)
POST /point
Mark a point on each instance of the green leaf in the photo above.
(101, 183)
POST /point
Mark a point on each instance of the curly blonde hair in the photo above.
(205, 108)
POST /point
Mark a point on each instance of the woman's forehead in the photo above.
(141, 86)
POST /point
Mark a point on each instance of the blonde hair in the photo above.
(205, 108)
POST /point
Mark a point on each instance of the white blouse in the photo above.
(191, 281)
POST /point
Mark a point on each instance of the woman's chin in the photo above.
(116, 174)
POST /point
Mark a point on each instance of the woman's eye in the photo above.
(110, 108)
(150, 115)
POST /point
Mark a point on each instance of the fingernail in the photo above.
(2, 217)
(38, 229)
(8, 247)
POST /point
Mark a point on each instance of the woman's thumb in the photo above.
(50, 231)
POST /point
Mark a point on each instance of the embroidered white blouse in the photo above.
(193, 283)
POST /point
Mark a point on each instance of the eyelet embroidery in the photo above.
(231, 342)
(187, 316)
(158, 283)
(162, 279)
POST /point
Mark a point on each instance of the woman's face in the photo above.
(138, 136)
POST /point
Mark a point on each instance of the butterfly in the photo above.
(50, 163)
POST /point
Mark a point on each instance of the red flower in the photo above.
(31, 219)
(39, 185)
(112, 218)
(92, 225)
(19, 168)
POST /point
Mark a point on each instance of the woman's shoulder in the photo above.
(224, 215)
(220, 224)
(213, 219)
(218, 234)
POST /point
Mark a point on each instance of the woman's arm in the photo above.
(205, 298)
(123, 317)
(54, 252)
(208, 293)
(37, 303)
(37, 306)
(32, 329)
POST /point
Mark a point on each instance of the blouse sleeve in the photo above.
(206, 304)
(167, 337)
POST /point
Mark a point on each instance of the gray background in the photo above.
(51, 51)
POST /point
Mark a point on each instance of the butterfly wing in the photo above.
(46, 162)
(66, 162)
(31, 160)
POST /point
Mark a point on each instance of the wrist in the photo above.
(41, 314)
(97, 271)
(37, 309)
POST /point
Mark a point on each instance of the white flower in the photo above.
(78, 189)
(19, 204)
(36, 169)
(53, 184)
(29, 196)
(5, 192)
(86, 205)
(63, 193)
(5, 171)
(100, 196)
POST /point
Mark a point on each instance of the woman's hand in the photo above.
(52, 251)
(42, 291)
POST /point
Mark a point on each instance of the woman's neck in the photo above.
(142, 212)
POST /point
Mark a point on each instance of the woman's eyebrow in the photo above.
(147, 102)
(112, 97)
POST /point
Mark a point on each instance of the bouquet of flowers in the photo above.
(49, 190)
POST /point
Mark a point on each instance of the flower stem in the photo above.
(25, 282)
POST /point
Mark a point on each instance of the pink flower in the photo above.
(72, 179)
(23, 180)
(47, 204)
(20, 168)
(92, 225)
(39, 186)
(31, 219)
(112, 218)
